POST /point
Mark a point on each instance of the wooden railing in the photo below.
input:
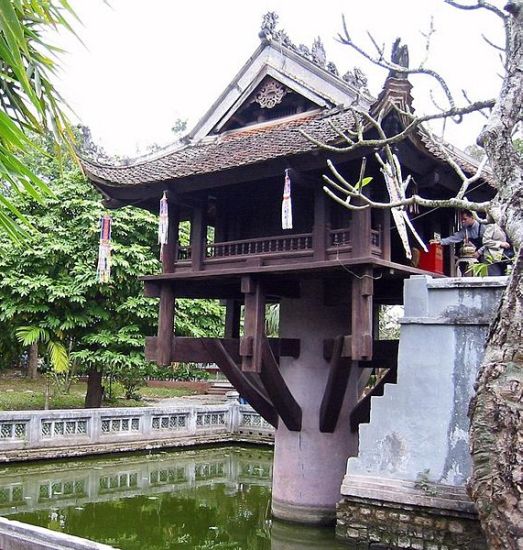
(271, 245)
(375, 238)
(337, 238)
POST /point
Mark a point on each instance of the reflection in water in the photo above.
(199, 500)
(289, 536)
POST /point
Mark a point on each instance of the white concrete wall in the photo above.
(418, 431)
(32, 434)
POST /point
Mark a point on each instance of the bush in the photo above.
(189, 372)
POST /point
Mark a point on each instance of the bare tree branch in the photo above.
(382, 62)
(490, 43)
(415, 122)
(481, 4)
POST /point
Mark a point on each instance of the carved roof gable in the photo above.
(277, 81)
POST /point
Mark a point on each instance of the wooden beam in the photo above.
(339, 372)
(361, 314)
(166, 324)
(193, 350)
(253, 324)
(151, 289)
(239, 380)
(285, 404)
(384, 353)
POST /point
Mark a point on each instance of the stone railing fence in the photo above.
(28, 435)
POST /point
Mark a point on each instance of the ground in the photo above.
(19, 393)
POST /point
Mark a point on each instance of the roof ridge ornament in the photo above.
(316, 54)
(399, 56)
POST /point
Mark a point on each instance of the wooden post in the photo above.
(385, 235)
(361, 330)
(170, 250)
(321, 225)
(198, 236)
(360, 235)
(166, 324)
(232, 319)
(253, 325)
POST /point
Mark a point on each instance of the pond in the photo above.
(210, 498)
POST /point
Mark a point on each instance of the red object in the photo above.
(433, 259)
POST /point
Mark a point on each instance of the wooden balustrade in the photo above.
(271, 245)
(337, 238)
(375, 238)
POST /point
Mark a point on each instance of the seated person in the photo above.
(492, 250)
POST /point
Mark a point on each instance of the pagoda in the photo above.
(330, 269)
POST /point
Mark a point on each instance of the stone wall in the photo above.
(413, 456)
(364, 521)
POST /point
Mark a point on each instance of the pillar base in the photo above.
(299, 513)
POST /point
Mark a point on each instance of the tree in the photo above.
(30, 103)
(50, 286)
(495, 412)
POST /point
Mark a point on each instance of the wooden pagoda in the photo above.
(226, 178)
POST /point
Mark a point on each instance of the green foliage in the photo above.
(30, 103)
(479, 269)
(188, 372)
(272, 320)
(362, 183)
(389, 317)
(50, 292)
(52, 341)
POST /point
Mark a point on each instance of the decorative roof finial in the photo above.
(268, 27)
(400, 56)
(318, 52)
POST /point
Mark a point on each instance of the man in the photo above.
(471, 231)
(484, 237)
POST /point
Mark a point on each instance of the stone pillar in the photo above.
(407, 485)
(309, 465)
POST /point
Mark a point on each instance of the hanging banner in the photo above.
(103, 271)
(163, 223)
(286, 205)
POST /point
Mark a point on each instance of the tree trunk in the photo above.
(497, 418)
(32, 363)
(496, 412)
(95, 390)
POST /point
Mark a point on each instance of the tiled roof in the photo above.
(236, 148)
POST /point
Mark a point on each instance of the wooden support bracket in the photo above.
(285, 404)
(239, 380)
(339, 373)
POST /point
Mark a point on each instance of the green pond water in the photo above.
(214, 498)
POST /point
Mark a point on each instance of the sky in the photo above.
(145, 64)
